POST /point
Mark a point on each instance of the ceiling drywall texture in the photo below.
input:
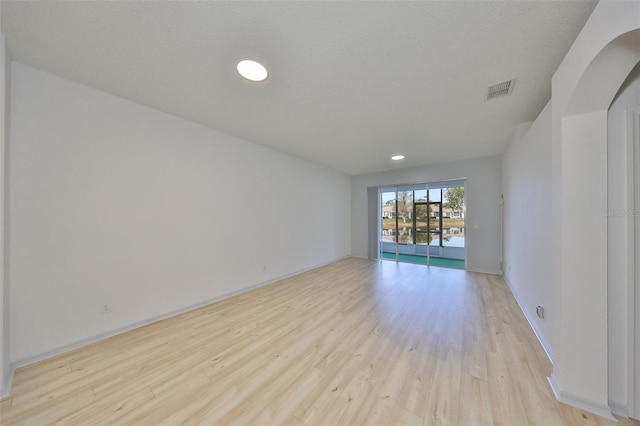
(350, 84)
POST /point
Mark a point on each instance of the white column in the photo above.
(582, 336)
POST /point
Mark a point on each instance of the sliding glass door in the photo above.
(423, 223)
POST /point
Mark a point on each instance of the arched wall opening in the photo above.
(580, 375)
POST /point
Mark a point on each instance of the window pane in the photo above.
(405, 217)
(420, 196)
(435, 195)
(453, 212)
(434, 217)
(422, 211)
(388, 215)
(422, 238)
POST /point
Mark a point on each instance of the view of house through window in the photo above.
(423, 223)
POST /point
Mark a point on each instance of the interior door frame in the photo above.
(633, 337)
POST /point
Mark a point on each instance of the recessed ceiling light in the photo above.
(397, 157)
(252, 70)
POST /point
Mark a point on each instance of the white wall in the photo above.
(482, 191)
(5, 364)
(619, 222)
(526, 169)
(113, 202)
(580, 99)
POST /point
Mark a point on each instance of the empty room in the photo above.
(320, 212)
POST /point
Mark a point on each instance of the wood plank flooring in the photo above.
(354, 342)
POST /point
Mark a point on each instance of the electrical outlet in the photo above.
(540, 311)
(105, 309)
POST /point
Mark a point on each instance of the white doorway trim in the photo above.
(633, 146)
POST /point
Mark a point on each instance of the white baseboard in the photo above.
(532, 324)
(619, 409)
(593, 407)
(84, 342)
(484, 272)
(5, 391)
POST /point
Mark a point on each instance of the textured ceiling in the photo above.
(350, 84)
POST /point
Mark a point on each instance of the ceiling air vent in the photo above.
(501, 89)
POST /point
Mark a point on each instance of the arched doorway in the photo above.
(581, 375)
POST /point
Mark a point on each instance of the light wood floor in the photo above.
(355, 342)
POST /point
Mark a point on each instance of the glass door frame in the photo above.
(395, 190)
